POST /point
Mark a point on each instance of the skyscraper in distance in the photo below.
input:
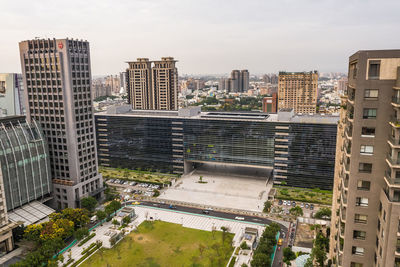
(57, 79)
(298, 90)
(153, 85)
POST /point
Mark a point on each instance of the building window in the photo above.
(374, 69)
(371, 94)
(365, 167)
(359, 234)
(362, 201)
(369, 113)
(367, 150)
(360, 218)
(357, 251)
(367, 132)
(363, 185)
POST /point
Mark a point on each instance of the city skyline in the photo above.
(207, 37)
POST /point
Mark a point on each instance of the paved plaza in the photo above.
(201, 222)
(221, 189)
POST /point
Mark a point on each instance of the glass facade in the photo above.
(302, 154)
(24, 162)
(226, 141)
(135, 143)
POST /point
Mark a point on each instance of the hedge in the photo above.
(88, 248)
(87, 255)
(232, 262)
(86, 239)
(68, 262)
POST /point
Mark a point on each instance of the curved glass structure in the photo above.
(24, 162)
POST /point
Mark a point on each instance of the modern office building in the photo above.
(57, 79)
(298, 90)
(270, 103)
(245, 80)
(176, 141)
(239, 82)
(153, 85)
(11, 94)
(365, 228)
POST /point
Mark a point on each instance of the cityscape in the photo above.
(179, 152)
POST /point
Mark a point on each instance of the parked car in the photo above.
(289, 203)
(301, 205)
(206, 212)
(294, 203)
(307, 206)
(239, 218)
(311, 206)
(280, 202)
(111, 180)
(284, 202)
(172, 207)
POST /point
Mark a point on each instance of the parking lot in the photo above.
(129, 188)
(283, 207)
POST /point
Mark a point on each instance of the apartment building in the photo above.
(57, 79)
(366, 205)
(153, 85)
(298, 90)
(11, 94)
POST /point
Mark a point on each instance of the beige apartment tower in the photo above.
(298, 90)
(365, 229)
(153, 85)
(57, 79)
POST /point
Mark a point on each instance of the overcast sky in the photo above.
(206, 36)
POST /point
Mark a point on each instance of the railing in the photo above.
(392, 160)
(348, 149)
(396, 100)
(394, 120)
(393, 140)
(347, 166)
(390, 179)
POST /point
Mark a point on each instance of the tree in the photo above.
(323, 213)
(115, 222)
(267, 206)
(224, 230)
(244, 245)
(296, 211)
(81, 233)
(288, 256)
(101, 215)
(201, 178)
(261, 260)
(112, 207)
(156, 193)
(126, 220)
(89, 203)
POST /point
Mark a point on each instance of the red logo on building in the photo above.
(60, 45)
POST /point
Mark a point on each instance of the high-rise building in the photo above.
(113, 83)
(122, 81)
(11, 94)
(57, 79)
(236, 81)
(244, 80)
(365, 228)
(342, 84)
(153, 87)
(298, 90)
(270, 103)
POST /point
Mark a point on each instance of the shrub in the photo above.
(86, 239)
(98, 245)
(88, 248)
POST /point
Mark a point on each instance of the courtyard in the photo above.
(157, 243)
(217, 187)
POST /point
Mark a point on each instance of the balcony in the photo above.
(347, 167)
(394, 182)
(350, 116)
(348, 150)
(396, 101)
(394, 121)
(349, 132)
(394, 163)
(393, 141)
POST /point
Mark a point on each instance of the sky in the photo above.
(206, 36)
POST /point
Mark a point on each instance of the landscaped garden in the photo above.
(166, 244)
(304, 195)
(136, 175)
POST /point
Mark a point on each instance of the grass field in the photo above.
(138, 176)
(304, 195)
(160, 243)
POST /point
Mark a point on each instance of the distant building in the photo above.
(153, 87)
(114, 83)
(122, 81)
(245, 80)
(270, 103)
(298, 90)
(342, 85)
(239, 82)
(11, 94)
(58, 96)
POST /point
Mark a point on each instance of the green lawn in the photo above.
(166, 244)
(304, 195)
(138, 176)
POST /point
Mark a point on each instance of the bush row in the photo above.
(86, 239)
(87, 255)
(68, 262)
(88, 248)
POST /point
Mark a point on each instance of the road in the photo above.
(225, 215)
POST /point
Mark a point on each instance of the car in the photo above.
(209, 209)
(280, 202)
(111, 180)
(280, 242)
(156, 205)
(307, 206)
(239, 218)
(301, 205)
(284, 202)
(283, 234)
(294, 203)
(289, 204)
(206, 212)
(172, 207)
(311, 206)
(136, 203)
(121, 182)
